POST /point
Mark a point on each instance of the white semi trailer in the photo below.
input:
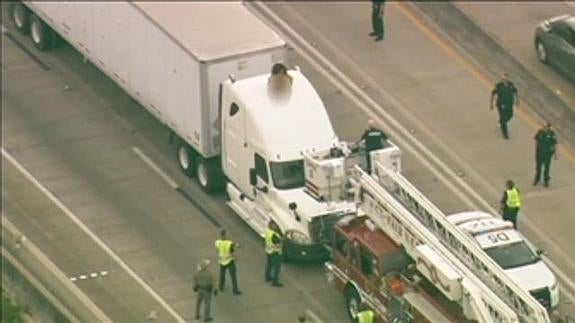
(202, 69)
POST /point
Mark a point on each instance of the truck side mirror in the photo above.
(293, 206)
(253, 177)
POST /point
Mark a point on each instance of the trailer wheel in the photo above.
(207, 174)
(40, 33)
(185, 157)
(353, 301)
(21, 17)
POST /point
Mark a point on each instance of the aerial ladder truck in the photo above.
(527, 308)
(388, 259)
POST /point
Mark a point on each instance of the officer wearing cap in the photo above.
(204, 286)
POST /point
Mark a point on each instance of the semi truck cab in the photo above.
(264, 140)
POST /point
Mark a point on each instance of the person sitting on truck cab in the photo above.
(374, 140)
(279, 83)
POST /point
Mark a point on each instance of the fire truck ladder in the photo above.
(467, 251)
(391, 216)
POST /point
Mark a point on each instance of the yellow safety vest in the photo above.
(513, 199)
(270, 246)
(224, 251)
(366, 316)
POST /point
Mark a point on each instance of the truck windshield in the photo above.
(512, 255)
(288, 175)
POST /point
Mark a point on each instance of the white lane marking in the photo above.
(401, 131)
(313, 316)
(155, 167)
(103, 273)
(94, 237)
(563, 277)
(82, 277)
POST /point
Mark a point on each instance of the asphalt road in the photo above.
(514, 27)
(440, 92)
(82, 138)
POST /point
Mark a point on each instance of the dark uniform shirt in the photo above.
(506, 92)
(373, 139)
(546, 142)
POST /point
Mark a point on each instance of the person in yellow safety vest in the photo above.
(365, 315)
(510, 203)
(273, 248)
(227, 261)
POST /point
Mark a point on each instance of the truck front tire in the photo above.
(20, 17)
(41, 34)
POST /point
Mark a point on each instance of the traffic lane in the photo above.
(128, 205)
(493, 58)
(423, 76)
(514, 26)
(81, 260)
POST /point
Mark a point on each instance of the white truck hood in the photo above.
(532, 276)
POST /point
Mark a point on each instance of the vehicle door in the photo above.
(565, 47)
(570, 53)
(263, 209)
(342, 255)
(237, 160)
(363, 269)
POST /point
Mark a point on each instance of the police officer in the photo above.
(365, 315)
(204, 286)
(507, 97)
(377, 11)
(373, 139)
(545, 142)
(227, 261)
(510, 203)
(273, 248)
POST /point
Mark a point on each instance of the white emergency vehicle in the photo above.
(510, 250)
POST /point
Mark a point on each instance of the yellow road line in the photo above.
(523, 114)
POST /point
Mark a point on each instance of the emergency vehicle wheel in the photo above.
(185, 158)
(40, 33)
(21, 17)
(353, 302)
(541, 51)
